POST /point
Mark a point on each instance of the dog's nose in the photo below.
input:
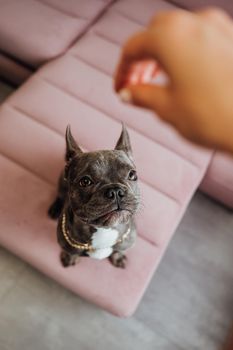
(114, 193)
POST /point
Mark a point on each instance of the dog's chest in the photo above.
(102, 241)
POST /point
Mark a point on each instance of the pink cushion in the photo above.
(218, 181)
(141, 11)
(226, 5)
(77, 89)
(52, 24)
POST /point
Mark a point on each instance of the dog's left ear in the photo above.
(123, 144)
(72, 148)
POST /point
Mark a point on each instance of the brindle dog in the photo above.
(98, 197)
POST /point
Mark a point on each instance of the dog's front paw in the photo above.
(56, 208)
(67, 259)
(118, 259)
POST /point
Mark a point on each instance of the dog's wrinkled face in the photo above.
(102, 185)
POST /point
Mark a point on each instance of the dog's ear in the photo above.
(72, 149)
(123, 144)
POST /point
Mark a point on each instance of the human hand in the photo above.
(196, 52)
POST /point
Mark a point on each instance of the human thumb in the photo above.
(155, 98)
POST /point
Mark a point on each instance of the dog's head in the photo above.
(102, 185)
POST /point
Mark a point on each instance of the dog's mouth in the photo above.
(107, 215)
(117, 215)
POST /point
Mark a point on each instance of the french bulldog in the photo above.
(98, 197)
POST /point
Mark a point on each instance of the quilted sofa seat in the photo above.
(218, 181)
(76, 88)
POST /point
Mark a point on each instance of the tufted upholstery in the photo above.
(35, 31)
(218, 181)
(226, 5)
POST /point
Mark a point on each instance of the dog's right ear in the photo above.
(72, 149)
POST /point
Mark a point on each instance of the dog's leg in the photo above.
(118, 259)
(68, 259)
(56, 208)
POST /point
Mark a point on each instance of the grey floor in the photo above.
(189, 304)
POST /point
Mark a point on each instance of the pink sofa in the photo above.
(226, 5)
(53, 24)
(76, 88)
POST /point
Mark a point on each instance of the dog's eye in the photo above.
(85, 181)
(132, 175)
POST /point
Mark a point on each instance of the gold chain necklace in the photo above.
(84, 246)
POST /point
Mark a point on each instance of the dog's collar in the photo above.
(84, 246)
